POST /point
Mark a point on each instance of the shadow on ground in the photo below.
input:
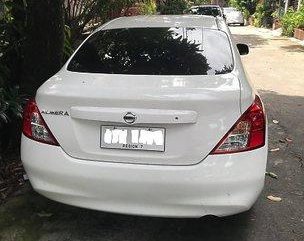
(23, 219)
(31, 217)
(293, 48)
(253, 40)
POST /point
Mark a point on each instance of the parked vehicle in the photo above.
(233, 16)
(208, 10)
(152, 115)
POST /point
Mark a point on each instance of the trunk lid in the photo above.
(76, 105)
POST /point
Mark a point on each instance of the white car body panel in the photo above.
(196, 111)
(161, 21)
(162, 94)
(145, 116)
(234, 17)
(221, 185)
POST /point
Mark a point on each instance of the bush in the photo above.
(258, 15)
(262, 16)
(11, 57)
(10, 105)
(291, 20)
(288, 23)
(148, 7)
(248, 7)
(246, 14)
(173, 7)
(277, 14)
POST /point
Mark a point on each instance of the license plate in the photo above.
(133, 138)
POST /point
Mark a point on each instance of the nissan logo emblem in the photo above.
(130, 118)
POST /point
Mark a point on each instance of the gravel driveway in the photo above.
(276, 67)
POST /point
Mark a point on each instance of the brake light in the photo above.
(248, 132)
(34, 127)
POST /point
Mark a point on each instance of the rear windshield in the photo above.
(211, 11)
(155, 51)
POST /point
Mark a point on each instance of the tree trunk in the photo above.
(44, 43)
(299, 4)
(286, 6)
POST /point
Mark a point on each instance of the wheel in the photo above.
(241, 24)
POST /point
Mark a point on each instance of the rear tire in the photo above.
(242, 24)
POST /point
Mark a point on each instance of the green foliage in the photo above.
(259, 15)
(10, 105)
(81, 14)
(300, 18)
(173, 7)
(278, 13)
(6, 40)
(288, 23)
(10, 54)
(11, 102)
(148, 7)
(248, 7)
(262, 16)
(291, 20)
(12, 32)
(246, 14)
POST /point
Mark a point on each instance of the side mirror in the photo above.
(243, 49)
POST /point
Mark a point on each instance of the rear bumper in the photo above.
(220, 185)
(235, 20)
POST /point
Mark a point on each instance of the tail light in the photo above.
(248, 133)
(34, 127)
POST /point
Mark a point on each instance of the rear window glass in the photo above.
(211, 11)
(155, 51)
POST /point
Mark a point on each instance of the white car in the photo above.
(152, 115)
(207, 10)
(233, 16)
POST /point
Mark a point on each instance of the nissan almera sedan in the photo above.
(152, 115)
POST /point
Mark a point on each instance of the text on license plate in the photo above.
(133, 138)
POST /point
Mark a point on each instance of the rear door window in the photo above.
(155, 51)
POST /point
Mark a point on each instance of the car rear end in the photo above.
(234, 16)
(149, 121)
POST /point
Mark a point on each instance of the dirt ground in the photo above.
(276, 67)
